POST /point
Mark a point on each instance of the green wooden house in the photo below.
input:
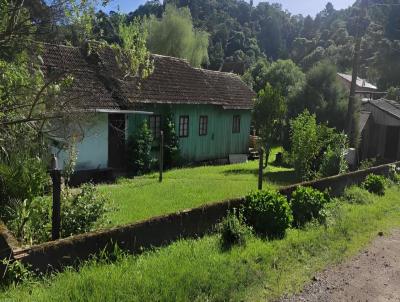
(212, 110)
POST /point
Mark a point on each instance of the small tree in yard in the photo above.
(316, 150)
(269, 112)
(171, 142)
(139, 150)
(304, 143)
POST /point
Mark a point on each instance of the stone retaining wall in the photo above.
(161, 230)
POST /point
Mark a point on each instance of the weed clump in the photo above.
(357, 195)
(233, 230)
(375, 184)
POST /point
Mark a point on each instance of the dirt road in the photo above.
(373, 275)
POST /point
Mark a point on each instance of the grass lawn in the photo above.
(144, 197)
(197, 270)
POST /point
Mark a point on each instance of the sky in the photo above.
(305, 7)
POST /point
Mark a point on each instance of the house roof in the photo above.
(388, 106)
(361, 83)
(173, 81)
(364, 117)
(86, 91)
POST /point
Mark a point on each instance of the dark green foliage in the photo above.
(333, 160)
(38, 224)
(268, 213)
(357, 195)
(242, 34)
(256, 76)
(316, 150)
(307, 204)
(22, 178)
(283, 75)
(81, 211)
(393, 94)
(15, 272)
(30, 221)
(139, 150)
(304, 144)
(375, 184)
(233, 230)
(322, 95)
(171, 142)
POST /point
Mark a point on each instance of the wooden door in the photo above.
(392, 142)
(116, 141)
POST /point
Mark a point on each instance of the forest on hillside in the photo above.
(237, 34)
(290, 59)
(242, 33)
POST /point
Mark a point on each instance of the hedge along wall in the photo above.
(161, 230)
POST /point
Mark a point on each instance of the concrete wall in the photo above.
(161, 230)
(92, 147)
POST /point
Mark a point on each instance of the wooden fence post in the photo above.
(161, 159)
(260, 168)
(56, 215)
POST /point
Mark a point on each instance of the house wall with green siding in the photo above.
(219, 141)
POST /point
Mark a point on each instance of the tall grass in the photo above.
(197, 270)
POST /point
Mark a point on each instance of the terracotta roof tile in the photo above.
(173, 81)
(86, 90)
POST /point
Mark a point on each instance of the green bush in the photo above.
(233, 230)
(375, 184)
(139, 150)
(38, 226)
(30, 221)
(394, 174)
(268, 212)
(307, 204)
(81, 211)
(333, 160)
(357, 195)
(367, 163)
(15, 272)
(304, 144)
(316, 149)
(22, 178)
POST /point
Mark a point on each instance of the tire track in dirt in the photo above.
(373, 275)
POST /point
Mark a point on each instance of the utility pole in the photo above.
(352, 111)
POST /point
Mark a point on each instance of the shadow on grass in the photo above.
(241, 171)
(282, 177)
(277, 177)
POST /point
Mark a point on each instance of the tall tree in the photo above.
(37, 108)
(269, 113)
(174, 35)
(352, 111)
(322, 95)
